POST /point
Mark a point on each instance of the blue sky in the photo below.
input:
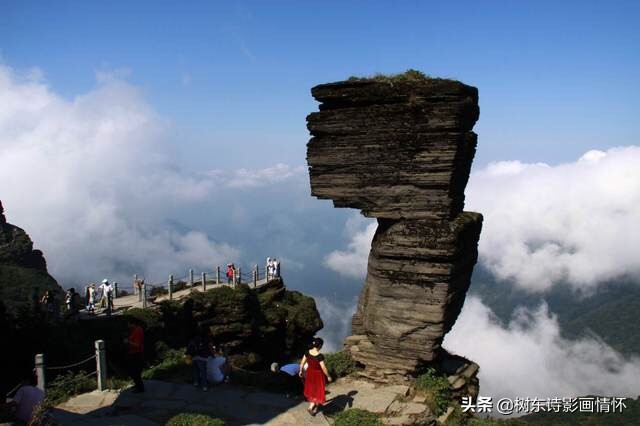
(233, 78)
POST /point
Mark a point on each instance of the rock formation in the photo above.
(22, 269)
(400, 149)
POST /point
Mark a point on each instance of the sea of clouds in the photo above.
(97, 182)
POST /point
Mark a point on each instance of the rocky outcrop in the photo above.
(400, 149)
(23, 270)
(257, 326)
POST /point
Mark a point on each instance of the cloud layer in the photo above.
(92, 179)
(529, 358)
(576, 223)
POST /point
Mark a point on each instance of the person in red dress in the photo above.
(314, 383)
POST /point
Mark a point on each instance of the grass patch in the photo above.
(171, 368)
(67, 385)
(409, 76)
(436, 389)
(192, 419)
(340, 364)
(356, 417)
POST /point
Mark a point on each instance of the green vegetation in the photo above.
(409, 76)
(67, 385)
(193, 419)
(172, 367)
(436, 389)
(356, 417)
(340, 364)
(149, 317)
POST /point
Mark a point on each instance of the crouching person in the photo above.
(218, 368)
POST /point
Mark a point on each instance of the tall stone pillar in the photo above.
(400, 150)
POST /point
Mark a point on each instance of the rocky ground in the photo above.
(240, 405)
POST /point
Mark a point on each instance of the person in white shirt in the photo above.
(217, 367)
(107, 291)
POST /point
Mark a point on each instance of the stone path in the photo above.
(234, 404)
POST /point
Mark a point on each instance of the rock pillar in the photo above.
(400, 150)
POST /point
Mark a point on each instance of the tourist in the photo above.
(91, 302)
(135, 354)
(199, 348)
(48, 301)
(269, 268)
(71, 301)
(217, 366)
(230, 273)
(26, 399)
(276, 268)
(288, 378)
(107, 292)
(314, 384)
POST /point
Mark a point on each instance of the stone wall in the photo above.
(400, 150)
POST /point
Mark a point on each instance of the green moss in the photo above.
(409, 76)
(437, 390)
(357, 417)
(340, 364)
(193, 419)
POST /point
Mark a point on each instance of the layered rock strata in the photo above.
(400, 149)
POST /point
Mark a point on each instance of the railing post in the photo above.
(144, 295)
(255, 277)
(135, 280)
(115, 290)
(217, 275)
(42, 382)
(101, 365)
(204, 281)
(235, 277)
(170, 285)
(191, 277)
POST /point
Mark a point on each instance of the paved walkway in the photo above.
(234, 404)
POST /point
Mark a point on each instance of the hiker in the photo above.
(288, 378)
(72, 301)
(48, 301)
(314, 384)
(135, 354)
(107, 292)
(91, 298)
(200, 350)
(26, 400)
(276, 268)
(217, 366)
(230, 272)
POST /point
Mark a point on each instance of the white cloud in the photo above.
(575, 222)
(91, 181)
(337, 322)
(352, 262)
(245, 178)
(529, 358)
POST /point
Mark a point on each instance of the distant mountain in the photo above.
(23, 270)
(612, 312)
